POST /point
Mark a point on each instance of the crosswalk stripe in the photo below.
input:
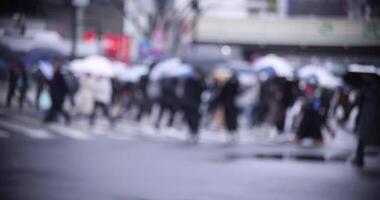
(68, 132)
(28, 131)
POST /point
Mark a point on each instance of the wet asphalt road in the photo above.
(65, 169)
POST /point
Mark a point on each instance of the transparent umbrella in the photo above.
(324, 77)
(275, 64)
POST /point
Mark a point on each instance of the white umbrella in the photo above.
(134, 73)
(119, 69)
(77, 67)
(98, 65)
(278, 64)
(170, 68)
(324, 77)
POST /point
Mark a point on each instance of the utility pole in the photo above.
(78, 7)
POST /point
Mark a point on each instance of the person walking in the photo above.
(193, 89)
(226, 98)
(85, 96)
(369, 117)
(311, 122)
(17, 80)
(58, 90)
(168, 100)
(145, 105)
(102, 93)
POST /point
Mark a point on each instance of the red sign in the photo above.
(115, 46)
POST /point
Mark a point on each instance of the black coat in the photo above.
(369, 118)
(168, 97)
(193, 90)
(226, 98)
(58, 89)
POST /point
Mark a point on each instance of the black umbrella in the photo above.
(355, 74)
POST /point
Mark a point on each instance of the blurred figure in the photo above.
(40, 82)
(310, 126)
(168, 100)
(85, 97)
(342, 100)
(102, 93)
(58, 90)
(145, 105)
(279, 101)
(326, 97)
(17, 79)
(369, 117)
(226, 99)
(261, 110)
(193, 89)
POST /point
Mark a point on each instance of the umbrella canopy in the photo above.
(322, 75)
(276, 64)
(95, 65)
(78, 68)
(205, 63)
(134, 73)
(42, 54)
(355, 74)
(170, 68)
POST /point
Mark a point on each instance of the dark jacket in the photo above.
(369, 119)
(58, 89)
(226, 98)
(193, 90)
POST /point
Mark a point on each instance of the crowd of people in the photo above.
(209, 100)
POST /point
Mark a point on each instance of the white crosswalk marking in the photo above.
(69, 132)
(28, 131)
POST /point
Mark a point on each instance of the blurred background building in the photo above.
(131, 30)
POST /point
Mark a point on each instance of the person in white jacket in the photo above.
(102, 93)
(85, 97)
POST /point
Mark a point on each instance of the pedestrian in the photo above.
(85, 97)
(145, 103)
(168, 100)
(278, 103)
(261, 110)
(102, 93)
(310, 125)
(58, 90)
(191, 102)
(17, 80)
(40, 82)
(369, 118)
(227, 100)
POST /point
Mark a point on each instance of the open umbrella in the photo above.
(272, 63)
(42, 54)
(134, 73)
(98, 65)
(170, 68)
(323, 76)
(355, 74)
